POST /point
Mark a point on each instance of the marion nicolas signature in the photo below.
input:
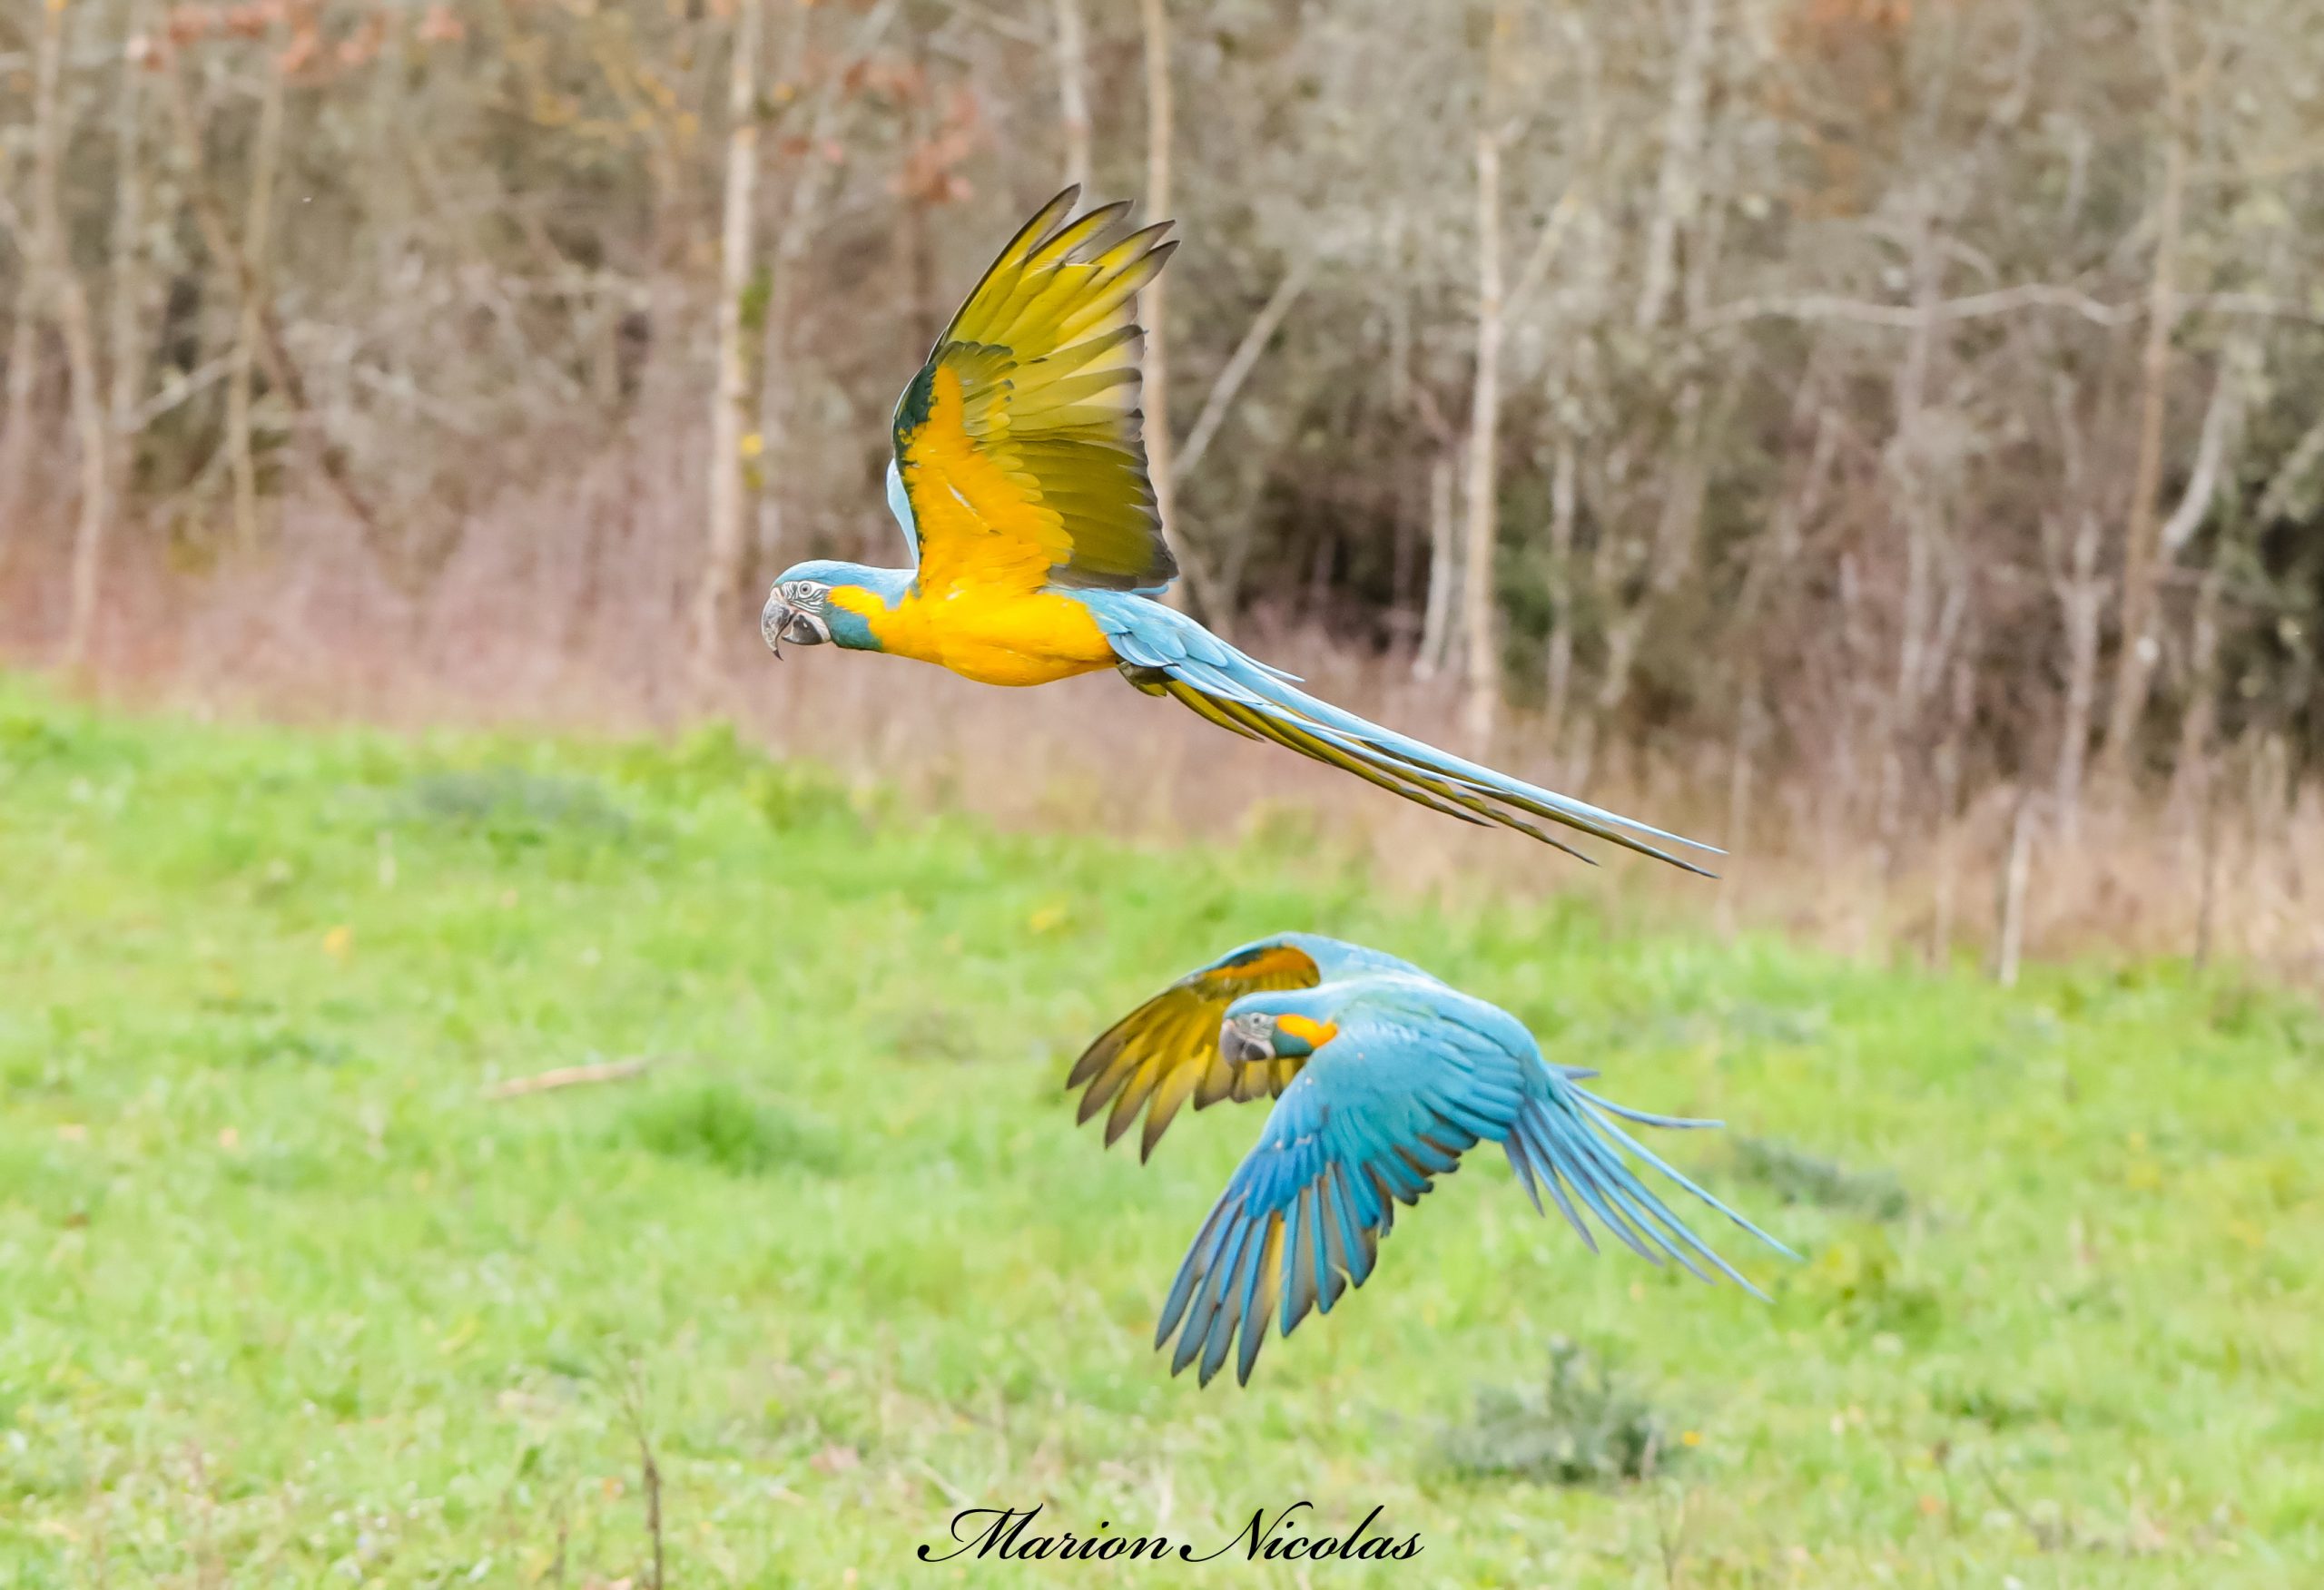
(1012, 1534)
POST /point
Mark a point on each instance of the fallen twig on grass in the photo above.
(960, 1498)
(574, 1076)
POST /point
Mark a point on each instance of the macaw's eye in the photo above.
(805, 593)
(1243, 1039)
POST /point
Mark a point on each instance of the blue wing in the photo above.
(1169, 653)
(1387, 1105)
(1376, 1115)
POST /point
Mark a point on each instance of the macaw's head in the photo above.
(821, 600)
(1288, 1024)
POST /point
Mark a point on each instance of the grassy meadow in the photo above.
(287, 1297)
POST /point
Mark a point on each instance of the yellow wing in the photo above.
(1018, 443)
(1166, 1050)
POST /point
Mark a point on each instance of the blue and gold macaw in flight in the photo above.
(1383, 1077)
(1020, 480)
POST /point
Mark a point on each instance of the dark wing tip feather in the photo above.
(1156, 1123)
(1093, 1059)
(1132, 1063)
(1100, 218)
(1044, 222)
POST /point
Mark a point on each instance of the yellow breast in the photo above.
(994, 637)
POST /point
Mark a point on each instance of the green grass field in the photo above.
(286, 1298)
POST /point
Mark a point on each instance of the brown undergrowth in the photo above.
(590, 639)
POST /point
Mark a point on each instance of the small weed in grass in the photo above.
(1861, 1281)
(793, 797)
(512, 803)
(933, 1032)
(1587, 1425)
(1796, 1176)
(719, 1124)
(714, 761)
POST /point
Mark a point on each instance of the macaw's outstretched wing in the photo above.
(1165, 652)
(1378, 1113)
(1018, 450)
(1385, 1107)
(1166, 1050)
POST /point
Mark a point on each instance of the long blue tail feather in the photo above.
(1237, 691)
(1681, 1178)
(1571, 1141)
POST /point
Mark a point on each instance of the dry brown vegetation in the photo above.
(1881, 437)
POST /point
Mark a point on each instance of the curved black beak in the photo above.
(1240, 1046)
(780, 622)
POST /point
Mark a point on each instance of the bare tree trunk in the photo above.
(23, 380)
(132, 288)
(1948, 811)
(2221, 417)
(1564, 509)
(730, 409)
(273, 352)
(1153, 308)
(1403, 617)
(2139, 648)
(2208, 840)
(1911, 491)
(795, 231)
(1742, 771)
(918, 237)
(256, 223)
(68, 302)
(2239, 366)
(1843, 789)
(1073, 90)
(1444, 572)
(2288, 485)
(2017, 877)
(1478, 594)
(1215, 584)
(96, 508)
(1674, 183)
(2191, 779)
(1240, 363)
(1771, 554)
(34, 294)
(2079, 595)
(1667, 560)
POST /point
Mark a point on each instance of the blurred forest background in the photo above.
(1886, 434)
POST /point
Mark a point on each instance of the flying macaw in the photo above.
(1020, 480)
(1383, 1077)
